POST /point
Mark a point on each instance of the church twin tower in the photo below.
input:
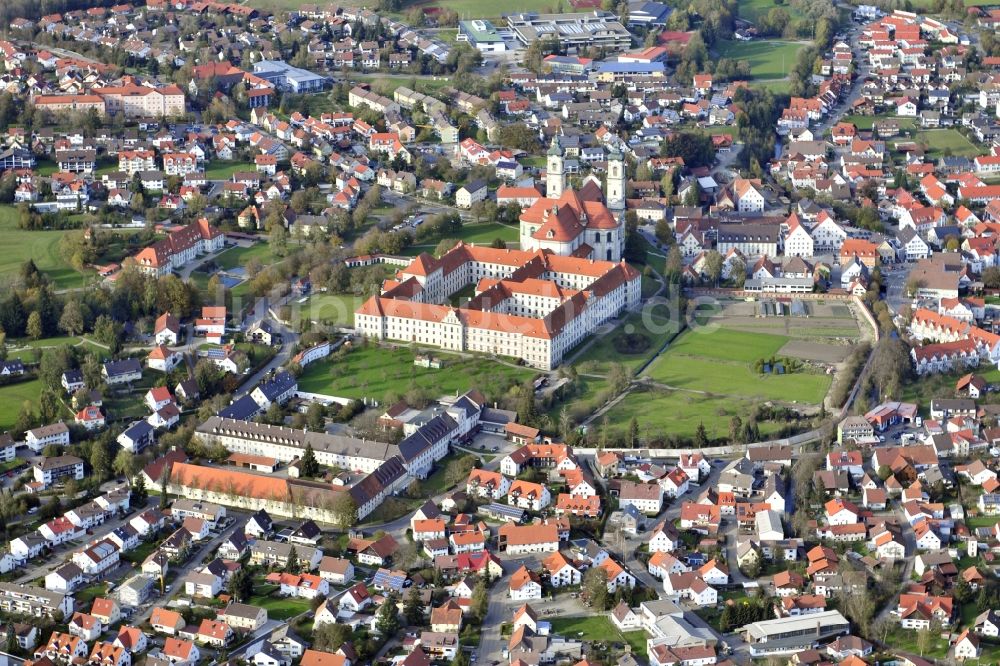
(555, 177)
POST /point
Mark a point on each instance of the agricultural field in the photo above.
(377, 372)
(769, 58)
(42, 246)
(940, 141)
(481, 234)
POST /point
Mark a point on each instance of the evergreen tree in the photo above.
(293, 566)
(308, 466)
(139, 493)
(414, 607)
(701, 436)
(387, 620)
(480, 600)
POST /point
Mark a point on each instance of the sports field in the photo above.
(384, 373)
(940, 141)
(43, 246)
(720, 363)
(769, 58)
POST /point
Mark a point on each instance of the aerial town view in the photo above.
(538, 332)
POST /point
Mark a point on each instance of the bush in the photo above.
(631, 343)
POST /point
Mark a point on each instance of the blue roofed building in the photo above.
(243, 409)
(622, 71)
(648, 13)
(137, 437)
(279, 389)
(285, 77)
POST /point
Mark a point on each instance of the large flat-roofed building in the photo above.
(481, 34)
(591, 29)
(285, 77)
(787, 635)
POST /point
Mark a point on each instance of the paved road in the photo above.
(289, 339)
(196, 560)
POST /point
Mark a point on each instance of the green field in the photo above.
(598, 628)
(728, 345)
(13, 396)
(238, 256)
(866, 122)
(386, 84)
(656, 326)
(720, 363)
(679, 413)
(481, 234)
(333, 309)
(42, 246)
(941, 140)
(769, 58)
(753, 10)
(220, 170)
(375, 372)
(279, 608)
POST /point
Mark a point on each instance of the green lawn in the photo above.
(776, 86)
(769, 58)
(88, 594)
(42, 246)
(597, 628)
(238, 256)
(941, 140)
(753, 10)
(220, 170)
(680, 413)
(376, 372)
(719, 362)
(139, 554)
(280, 608)
(908, 641)
(728, 345)
(481, 234)
(332, 309)
(734, 378)
(13, 396)
(386, 84)
(654, 324)
(866, 122)
(981, 521)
